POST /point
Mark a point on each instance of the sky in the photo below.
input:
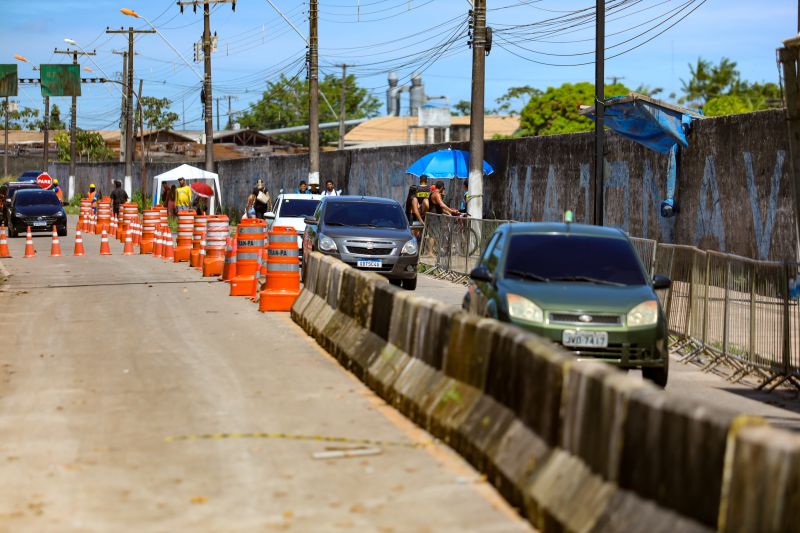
(536, 42)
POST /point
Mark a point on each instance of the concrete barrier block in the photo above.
(382, 308)
(595, 404)
(452, 402)
(762, 482)
(482, 431)
(402, 326)
(310, 270)
(415, 388)
(334, 281)
(365, 291)
(627, 513)
(463, 361)
(362, 356)
(338, 329)
(673, 452)
(519, 453)
(385, 369)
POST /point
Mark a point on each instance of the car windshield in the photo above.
(24, 198)
(576, 258)
(365, 214)
(291, 207)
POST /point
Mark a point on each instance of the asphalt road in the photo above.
(781, 408)
(135, 396)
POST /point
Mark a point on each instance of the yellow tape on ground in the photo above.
(291, 436)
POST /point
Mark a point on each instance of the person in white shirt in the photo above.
(329, 189)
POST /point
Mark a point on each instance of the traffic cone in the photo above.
(78, 244)
(169, 250)
(55, 247)
(112, 227)
(128, 244)
(202, 256)
(30, 251)
(230, 262)
(93, 224)
(104, 247)
(157, 244)
(4, 242)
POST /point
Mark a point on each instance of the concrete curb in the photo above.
(578, 447)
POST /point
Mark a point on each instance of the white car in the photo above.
(292, 210)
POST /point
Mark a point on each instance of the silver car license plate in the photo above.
(39, 223)
(369, 263)
(584, 339)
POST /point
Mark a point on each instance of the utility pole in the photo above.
(122, 128)
(342, 106)
(599, 112)
(46, 147)
(475, 203)
(5, 143)
(208, 114)
(789, 57)
(230, 115)
(217, 99)
(73, 121)
(142, 174)
(129, 143)
(313, 96)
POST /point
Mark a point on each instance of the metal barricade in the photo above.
(646, 249)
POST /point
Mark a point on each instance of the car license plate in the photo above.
(369, 263)
(584, 339)
(39, 223)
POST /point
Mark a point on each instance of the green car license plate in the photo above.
(584, 339)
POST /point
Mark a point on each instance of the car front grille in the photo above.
(49, 221)
(612, 351)
(585, 319)
(360, 250)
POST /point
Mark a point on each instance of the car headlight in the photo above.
(60, 214)
(326, 244)
(644, 314)
(19, 215)
(409, 248)
(523, 309)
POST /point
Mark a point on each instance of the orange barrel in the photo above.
(158, 241)
(200, 224)
(249, 242)
(216, 238)
(185, 231)
(229, 268)
(86, 211)
(283, 271)
(164, 214)
(151, 217)
(130, 213)
(103, 216)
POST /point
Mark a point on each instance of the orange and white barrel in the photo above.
(200, 223)
(217, 231)
(151, 218)
(185, 231)
(85, 214)
(250, 236)
(103, 216)
(282, 286)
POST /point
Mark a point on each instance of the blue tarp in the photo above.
(659, 128)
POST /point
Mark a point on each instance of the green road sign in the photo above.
(8, 80)
(60, 80)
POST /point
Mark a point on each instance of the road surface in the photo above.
(781, 408)
(135, 396)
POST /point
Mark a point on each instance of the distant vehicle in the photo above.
(366, 233)
(580, 286)
(7, 191)
(29, 175)
(38, 209)
(292, 210)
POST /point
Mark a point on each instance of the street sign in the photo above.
(44, 180)
(8, 80)
(60, 80)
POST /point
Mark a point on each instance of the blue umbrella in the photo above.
(445, 164)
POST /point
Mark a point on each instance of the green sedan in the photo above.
(583, 287)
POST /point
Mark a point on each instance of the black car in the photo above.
(38, 209)
(366, 233)
(7, 191)
(29, 176)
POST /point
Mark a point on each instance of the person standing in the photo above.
(59, 192)
(463, 207)
(164, 194)
(303, 188)
(118, 197)
(330, 189)
(183, 196)
(171, 200)
(93, 196)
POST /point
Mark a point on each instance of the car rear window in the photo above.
(297, 208)
(365, 214)
(573, 258)
(30, 197)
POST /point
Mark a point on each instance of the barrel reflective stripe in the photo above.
(283, 267)
(245, 230)
(247, 256)
(291, 252)
(282, 238)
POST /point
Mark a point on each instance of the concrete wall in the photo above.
(733, 189)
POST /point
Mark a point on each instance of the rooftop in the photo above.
(387, 131)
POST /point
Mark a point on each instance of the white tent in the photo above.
(189, 173)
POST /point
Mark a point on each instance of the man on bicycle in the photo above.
(437, 201)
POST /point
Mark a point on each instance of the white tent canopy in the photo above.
(189, 173)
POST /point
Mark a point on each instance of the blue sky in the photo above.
(256, 45)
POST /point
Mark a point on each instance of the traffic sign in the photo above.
(44, 180)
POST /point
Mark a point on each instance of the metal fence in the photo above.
(725, 312)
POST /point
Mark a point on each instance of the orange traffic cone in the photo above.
(169, 250)
(30, 251)
(93, 224)
(104, 247)
(55, 247)
(78, 244)
(128, 244)
(157, 244)
(4, 243)
(112, 227)
(229, 267)
(202, 256)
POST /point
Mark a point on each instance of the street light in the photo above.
(134, 14)
(20, 58)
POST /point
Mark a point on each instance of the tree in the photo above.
(556, 109)
(55, 119)
(511, 99)
(156, 116)
(461, 108)
(23, 119)
(285, 103)
(89, 146)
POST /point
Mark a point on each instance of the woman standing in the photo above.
(262, 201)
(171, 201)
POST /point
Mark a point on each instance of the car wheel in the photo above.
(12, 232)
(657, 375)
(62, 232)
(410, 284)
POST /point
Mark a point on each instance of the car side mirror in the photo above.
(661, 282)
(270, 215)
(310, 220)
(481, 273)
